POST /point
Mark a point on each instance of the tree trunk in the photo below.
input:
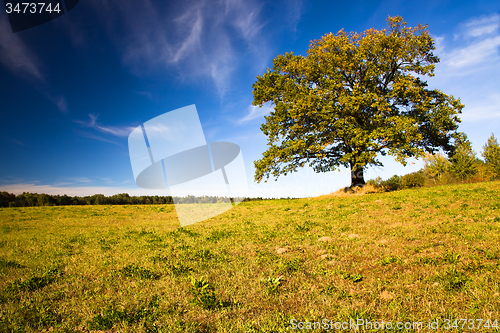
(357, 177)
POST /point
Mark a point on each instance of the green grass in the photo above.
(412, 255)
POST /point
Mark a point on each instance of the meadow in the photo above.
(417, 255)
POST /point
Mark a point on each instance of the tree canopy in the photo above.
(353, 98)
(463, 158)
(491, 154)
(436, 166)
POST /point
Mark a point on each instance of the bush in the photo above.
(392, 184)
(414, 179)
(374, 182)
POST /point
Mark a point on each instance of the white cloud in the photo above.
(119, 131)
(79, 179)
(439, 44)
(96, 137)
(245, 18)
(91, 122)
(476, 46)
(220, 73)
(93, 118)
(192, 41)
(61, 103)
(482, 25)
(488, 108)
(195, 39)
(469, 67)
(66, 181)
(255, 112)
(485, 51)
(15, 55)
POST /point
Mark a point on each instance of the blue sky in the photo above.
(72, 89)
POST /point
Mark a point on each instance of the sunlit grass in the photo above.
(413, 255)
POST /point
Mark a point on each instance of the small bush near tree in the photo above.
(392, 184)
(414, 179)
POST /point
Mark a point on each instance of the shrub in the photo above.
(414, 179)
(374, 182)
(392, 184)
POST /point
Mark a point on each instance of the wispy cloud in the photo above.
(159, 132)
(107, 180)
(195, 39)
(15, 55)
(17, 142)
(96, 137)
(122, 131)
(93, 118)
(118, 131)
(79, 179)
(294, 13)
(245, 17)
(67, 181)
(470, 65)
(255, 112)
(482, 25)
(192, 42)
(145, 93)
(488, 108)
(476, 54)
(478, 45)
(18, 58)
(61, 103)
(5, 180)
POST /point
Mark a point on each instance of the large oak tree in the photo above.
(353, 98)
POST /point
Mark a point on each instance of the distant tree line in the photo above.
(27, 199)
(460, 166)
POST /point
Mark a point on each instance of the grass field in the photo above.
(430, 254)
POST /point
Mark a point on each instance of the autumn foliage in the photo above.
(353, 98)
